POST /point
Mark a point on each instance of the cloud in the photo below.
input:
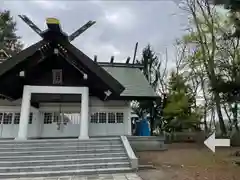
(120, 24)
(52, 5)
(121, 19)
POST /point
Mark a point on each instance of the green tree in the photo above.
(9, 41)
(213, 60)
(180, 112)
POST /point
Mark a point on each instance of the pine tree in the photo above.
(150, 62)
(178, 112)
(9, 41)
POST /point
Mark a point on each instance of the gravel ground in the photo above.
(190, 162)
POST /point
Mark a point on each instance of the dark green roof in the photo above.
(135, 83)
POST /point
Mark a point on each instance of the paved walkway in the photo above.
(128, 176)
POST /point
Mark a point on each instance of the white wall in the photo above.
(11, 130)
(109, 128)
(39, 129)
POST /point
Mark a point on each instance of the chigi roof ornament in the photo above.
(54, 32)
(54, 25)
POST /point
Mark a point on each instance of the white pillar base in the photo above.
(20, 139)
(83, 137)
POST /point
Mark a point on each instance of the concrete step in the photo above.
(43, 158)
(64, 167)
(63, 156)
(68, 161)
(64, 173)
(56, 151)
(41, 141)
(58, 143)
(50, 148)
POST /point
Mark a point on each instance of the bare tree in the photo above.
(202, 35)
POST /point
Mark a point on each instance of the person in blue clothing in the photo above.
(143, 127)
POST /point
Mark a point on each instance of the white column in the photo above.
(129, 121)
(24, 117)
(38, 123)
(84, 114)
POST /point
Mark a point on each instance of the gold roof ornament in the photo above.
(52, 21)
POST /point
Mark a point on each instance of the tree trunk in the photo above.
(220, 116)
(152, 119)
(205, 119)
(212, 120)
(152, 125)
(235, 116)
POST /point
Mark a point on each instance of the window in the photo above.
(7, 118)
(47, 118)
(102, 117)
(111, 118)
(16, 118)
(94, 118)
(119, 117)
(57, 76)
(30, 118)
(1, 118)
(56, 117)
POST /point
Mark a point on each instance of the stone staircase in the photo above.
(42, 158)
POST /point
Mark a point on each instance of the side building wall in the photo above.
(110, 118)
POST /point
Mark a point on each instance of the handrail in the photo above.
(131, 155)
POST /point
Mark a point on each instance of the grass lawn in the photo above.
(190, 162)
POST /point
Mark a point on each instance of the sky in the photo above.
(119, 24)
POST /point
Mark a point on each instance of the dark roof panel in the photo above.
(20, 57)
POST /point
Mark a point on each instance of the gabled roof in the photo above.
(123, 82)
(82, 60)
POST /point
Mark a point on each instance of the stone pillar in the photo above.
(84, 114)
(24, 117)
